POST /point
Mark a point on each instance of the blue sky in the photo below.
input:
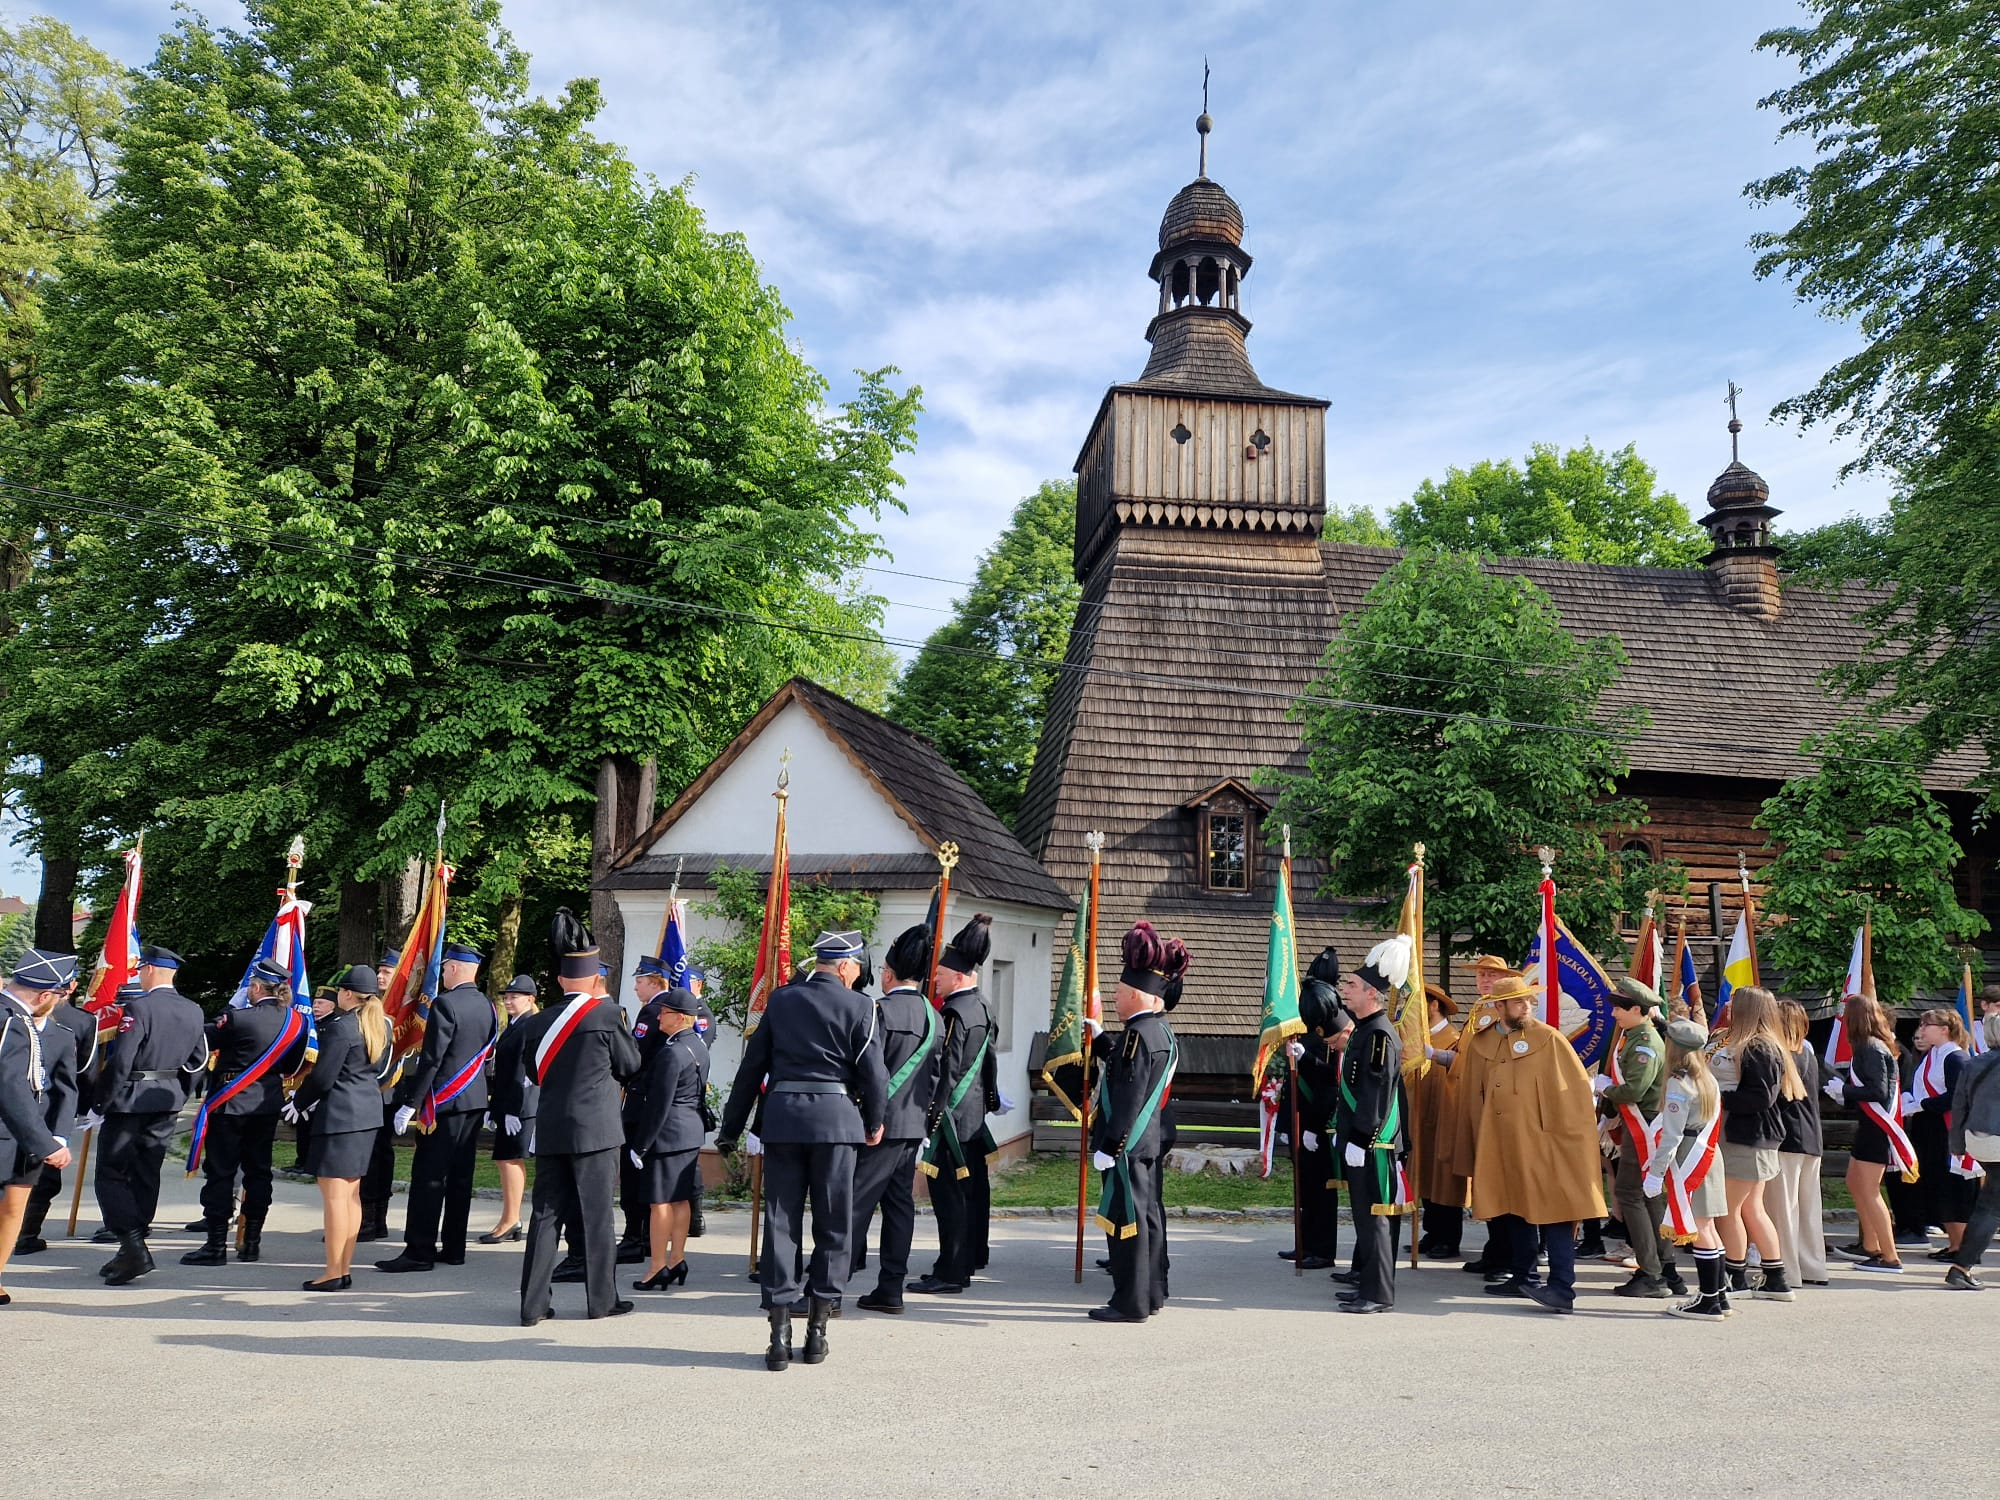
(1475, 227)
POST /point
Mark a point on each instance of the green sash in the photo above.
(1383, 1146)
(915, 1060)
(946, 1136)
(1117, 1213)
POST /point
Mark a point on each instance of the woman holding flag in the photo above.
(343, 1097)
(1683, 1167)
(1953, 1182)
(1873, 1088)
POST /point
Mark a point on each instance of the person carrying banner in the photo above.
(1433, 1107)
(1631, 1090)
(966, 1090)
(1127, 1134)
(650, 983)
(342, 1095)
(885, 1173)
(445, 1091)
(1683, 1170)
(816, 1062)
(28, 1140)
(162, 1043)
(1315, 1074)
(1370, 1124)
(1479, 1047)
(66, 1015)
(251, 1050)
(1537, 1158)
(1873, 1088)
(579, 1054)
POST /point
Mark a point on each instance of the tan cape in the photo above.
(1478, 1049)
(1537, 1153)
(1433, 1106)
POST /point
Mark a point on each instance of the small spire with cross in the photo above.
(1204, 124)
(1735, 423)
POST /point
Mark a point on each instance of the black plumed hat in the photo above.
(966, 952)
(910, 955)
(1325, 968)
(574, 948)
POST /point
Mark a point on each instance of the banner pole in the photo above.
(1095, 841)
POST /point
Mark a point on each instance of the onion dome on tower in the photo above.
(1744, 560)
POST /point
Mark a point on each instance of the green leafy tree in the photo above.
(739, 900)
(17, 935)
(1839, 552)
(1418, 730)
(1861, 835)
(1582, 505)
(979, 686)
(1357, 523)
(426, 454)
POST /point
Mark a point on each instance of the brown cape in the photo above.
(1433, 1105)
(1537, 1151)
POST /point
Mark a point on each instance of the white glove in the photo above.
(1600, 1083)
(1295, 1050)
(1836, 1091)
(512, 1123)
(403, 1117)
(1102, 1162)
(1309, 1140)
(1094, 1026)
(289, 1113)
(1355, 1155)
(637, 1160)
(1006, 1104)
(1443, 1055)
(751, 1145)
(1654, 1184)
(90, 1122)
(1911, 1104)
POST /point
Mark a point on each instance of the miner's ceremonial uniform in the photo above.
(1370, 1123)
(966, 1091)
(827, 1092)
(1315, 1076)
(1129, 1130)
(161, 1045)
(885, 1174)
(81, 1027)
(242, 1128)
(448, 1081)
(579, 1054)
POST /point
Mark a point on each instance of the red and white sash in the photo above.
(1889, 1118)
(1929, 1084)
(1685, 1175)
(558, 1035)
(1645, 1138)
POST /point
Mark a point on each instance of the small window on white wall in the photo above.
(1000, 995)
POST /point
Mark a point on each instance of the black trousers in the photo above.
(979, 1208)
(795, 1174)
(441, 1188)
(1319, 1201)
(1498, 1255)
(130, 1149)
(577, 1190)
(1374, 1238)
(951, 1205)
(378, 1184)
(48, 1186)
(1139, 1260)
(237, 1143)
(632, 1200)
(885, 1177)
(1560, 1242)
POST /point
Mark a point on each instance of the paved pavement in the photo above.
(234, 1382)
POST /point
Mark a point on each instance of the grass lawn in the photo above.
(1049, 1181)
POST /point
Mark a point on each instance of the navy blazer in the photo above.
(579, 1108)
(237, 1038)
(820, 1033)
(676, 1083)
(165, 1033)
(24, 1102)
(900, 1023)
(461, 1022)
(344, 1089)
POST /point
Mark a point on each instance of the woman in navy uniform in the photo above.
(666, 1145)
(512, 1105)
(380, 1180)
(29, 1098)
(342, 1096)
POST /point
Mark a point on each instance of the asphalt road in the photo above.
(220, 1383)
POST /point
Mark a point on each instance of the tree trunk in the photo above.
(506, 945)
(626, 791)
(399, 900)
(55, 908)
(360, 903)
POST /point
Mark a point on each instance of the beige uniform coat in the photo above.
(1537, 1148)
(1478, 1049)
(1433, 1101)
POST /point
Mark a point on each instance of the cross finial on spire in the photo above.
(1204, 124)
(1735, 424)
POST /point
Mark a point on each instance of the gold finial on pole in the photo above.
(947, 856)
(784, 775)
(1420, 852)
(1094, 842)
(1287, 828)
(1743, 871)
(1548, 858)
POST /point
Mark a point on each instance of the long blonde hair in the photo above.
(374, 1026)
(1691, 1063)
(1754, 1022)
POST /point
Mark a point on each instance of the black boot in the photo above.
(214, 1249)
(374, 1223)
(779, 1354)
(818, 1310)
(31, 1241)
(697, 1220)
(131, 1262)
(253, 1238)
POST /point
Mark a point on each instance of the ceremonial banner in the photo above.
(673, 954)
(1860, 981)
(774, 940)
(1281, 974)
(1687, 979)
(1267, 1121)
(1578, 975)
(1645, 965)
(1413, 1019)
(1975, 1034)
(118, 961)
(1739, 968)
(414, 984)
(1062, 1070)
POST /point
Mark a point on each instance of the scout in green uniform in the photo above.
(1632, 1090)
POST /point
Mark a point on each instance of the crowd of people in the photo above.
(1708, 1141)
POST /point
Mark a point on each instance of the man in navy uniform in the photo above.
(82, 1028)
(817, 1046)
(1370, 1123)
(161, 1045)
(578, 1054)
(885, 1174)
(967, 1088)
(241, 1130)
(449, 1080)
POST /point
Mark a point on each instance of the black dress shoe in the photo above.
(1282, 1255)
(879, 1301)
(1103, 1262)
(30, 1244)
(617, 1309)
(502, 1236)
(452, 1260)
(1549, 1299)
(632, 1252)
(109, 1237)
(1511, 1287)
(370, 1233)
(1479, 1268)
(199, 1226)
(1108, 1314)
(331, 1284)
(1347, 1296)
(569, 1268)
(931, 1286)
(529, 1320)
(1314, 1263)
(404, 1262)
(1345, 1278)
(1363, 1305)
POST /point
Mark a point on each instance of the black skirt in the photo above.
(513, 1147)
(23, 1170)
(671, 1176)
(1871, 1142)
(341, 1153)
